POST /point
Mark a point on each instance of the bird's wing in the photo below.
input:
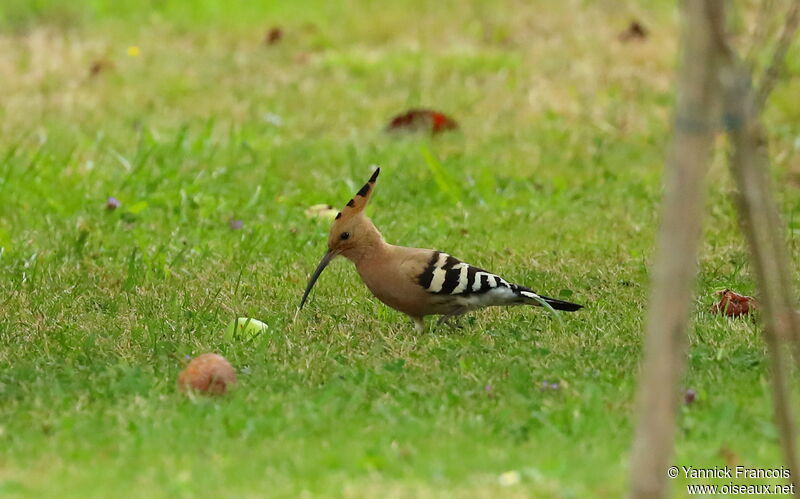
(447, 275)
(443, 275)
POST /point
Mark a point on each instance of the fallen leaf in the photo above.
(509, 478)
(422, 120)
(324, 211)
(730, 457)
(733, 304)
(636, 32)
(138, 207)
(273, 36)
(99, 66)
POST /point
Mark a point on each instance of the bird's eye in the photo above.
(345, 235)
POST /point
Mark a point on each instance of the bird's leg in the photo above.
(419, 324)
(449, 320)
(445, 319)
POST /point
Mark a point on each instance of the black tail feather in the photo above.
(561, 304)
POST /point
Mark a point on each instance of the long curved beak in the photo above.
(322, 264)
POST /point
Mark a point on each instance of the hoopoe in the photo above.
(415, 281)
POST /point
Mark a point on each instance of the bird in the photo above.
(415, 281)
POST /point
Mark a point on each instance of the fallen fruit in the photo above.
(245, 327)
(209, 374)
(733, 304)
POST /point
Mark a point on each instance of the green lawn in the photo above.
(553, 181)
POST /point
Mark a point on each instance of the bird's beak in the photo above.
(322, 264)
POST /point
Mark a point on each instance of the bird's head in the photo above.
(351, 232)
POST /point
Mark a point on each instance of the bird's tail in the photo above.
(556, 304)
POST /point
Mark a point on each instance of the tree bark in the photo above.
(761, 223)
(675, 265)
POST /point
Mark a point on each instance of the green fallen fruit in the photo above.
(245, 328)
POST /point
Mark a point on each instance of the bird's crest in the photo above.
(359, 201)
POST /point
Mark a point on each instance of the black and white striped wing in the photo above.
(447, 275)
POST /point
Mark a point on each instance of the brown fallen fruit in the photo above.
(209, 374)
(733, 304)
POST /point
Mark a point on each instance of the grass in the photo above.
(553, 182)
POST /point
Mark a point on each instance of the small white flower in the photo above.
(273, 119)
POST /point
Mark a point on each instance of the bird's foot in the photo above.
(452, 320)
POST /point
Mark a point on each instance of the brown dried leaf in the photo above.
(422, 119)
(273, 35)
(730, 457)
(99, 66)
(636, 32)
(733, 304)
